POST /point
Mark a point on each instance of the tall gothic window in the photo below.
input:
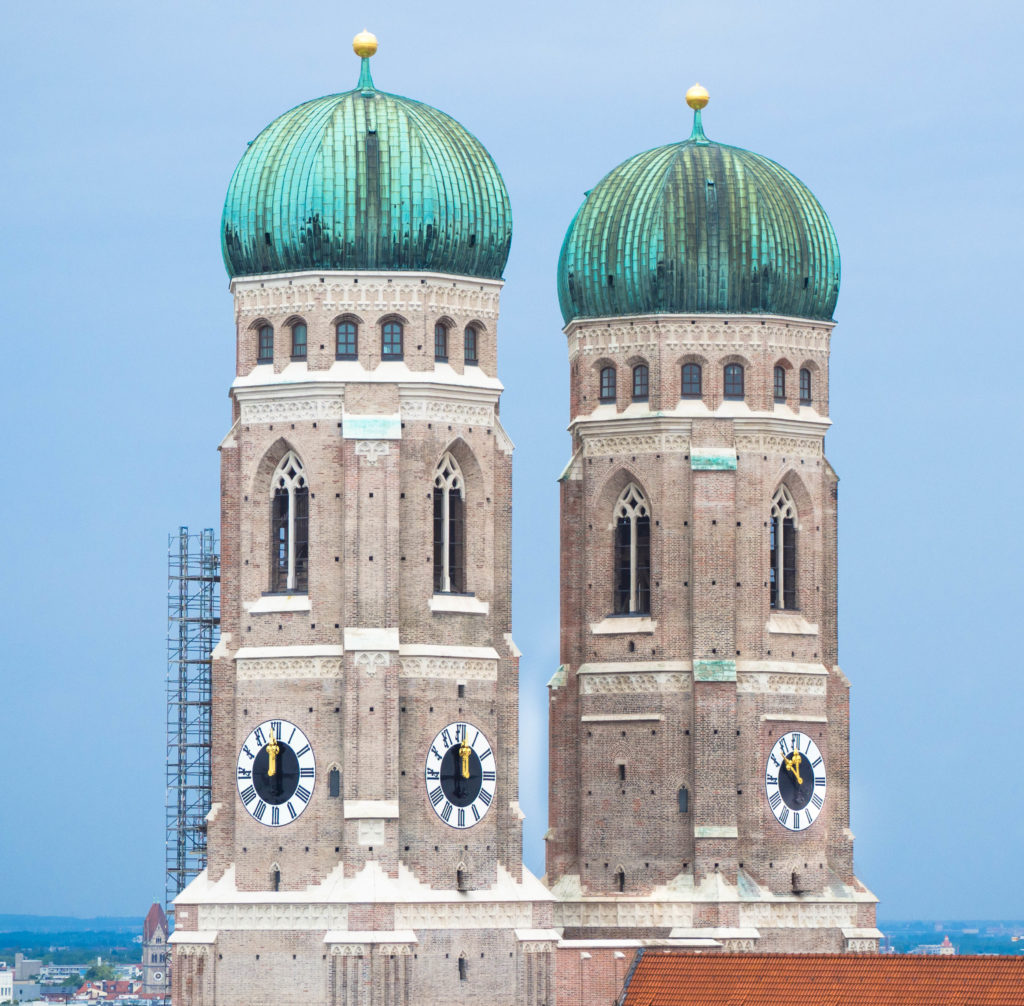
(632, 553)
(449, 528)
(289, 530)
(733, 380)
(640, 382)
(782, 571)
(607, 384)
(299, 341)
(805, 387)
(780, 384)
(266, 353)
(441, 342)
(391, 341)
(470, 346)
(691, 380)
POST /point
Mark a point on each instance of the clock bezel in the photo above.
(290, 810)
(796, 820)
(460, 818)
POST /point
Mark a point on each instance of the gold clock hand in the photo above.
(464, 750)
(793, 764)
(273, 749)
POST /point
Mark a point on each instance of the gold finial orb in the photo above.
(364, 44)
(697, 97)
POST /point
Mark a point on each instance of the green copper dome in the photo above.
(699, 227)
(366, 180)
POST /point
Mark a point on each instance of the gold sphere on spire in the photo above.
(697, 97)
(364, 44)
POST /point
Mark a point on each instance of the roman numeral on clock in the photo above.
(432, 773)
(773, 780)
(784, 815)
(796, 820)
(446, 813)
(258, 734)
(291, 810)
(261, 809)
(244, 773)
(486, 754)
(774, 800)
(275, 815)
(248, 795)
(307, 773)
(462, 817)
(819, 781)
(476, 813)
(816, 762)
(485, 798)
(446, 738)
(817, 801)
(489, 776)
(303, 794)
(436, 795)
(305, 750)
(276, 727)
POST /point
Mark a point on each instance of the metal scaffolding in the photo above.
(193, 628)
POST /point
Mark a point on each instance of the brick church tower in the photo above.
(365, 833)
(699, 721)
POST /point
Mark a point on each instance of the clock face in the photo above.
(460, 775)
(276, 773)
(794, 781)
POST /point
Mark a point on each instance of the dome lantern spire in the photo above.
(697, 98)
(364, 45)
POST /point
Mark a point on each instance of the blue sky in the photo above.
(123, 122)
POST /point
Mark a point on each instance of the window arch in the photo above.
(471, 337)
(780, 383)
(289, 535)
(782, 547)
(733, 380)
(299, 340)
(805, 386)
(632, 561)
(692, 384)
(607, 390)
(346, 346)
(641, 381)
(441, 342)
(391, 340)
(266, 344)
(449, 527)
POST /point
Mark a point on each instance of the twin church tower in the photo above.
(365, 838)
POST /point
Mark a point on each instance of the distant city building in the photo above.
(943, 949)
(155, 976)
(26, 992)
(25, 969)
(6, 983)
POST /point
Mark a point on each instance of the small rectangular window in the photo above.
(608, 384)
(805, 387)
(347, 346)
(734, 381)
(780, 384)
(391, 341)
(640, 382)
(440, 343)
(298, 342)
(622, 773)
(471, 357)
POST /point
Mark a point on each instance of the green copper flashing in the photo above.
(714, 670)
(365, 78)
(558, 679)
(699, 227)
(366, 180)
(712, 459)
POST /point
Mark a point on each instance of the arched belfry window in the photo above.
(782, 574)
(266, 344)
(805, 387)
(289, 537)
(449, 528)
(607, 390)
(691, 380)
(632, 553)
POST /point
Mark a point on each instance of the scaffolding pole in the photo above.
(193, 628)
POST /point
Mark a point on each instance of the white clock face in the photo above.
(276, 773)
(460, 775)
(794, 781)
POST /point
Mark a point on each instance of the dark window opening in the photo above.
(470, 345)
(632, 554)
(622, 773)
(734, 381)
(334, 783)
(298, 342)
(607, 384)
(691, 380)
(782, 552)
(266, 344)
(347, 345)
(391, 341)
(275, 880)
(805, 387)
(620, 880)
(462, 969)
(640, 382)
(289, 531)
(441, 343)
(449, 529)
(684, 800)
(780, 384)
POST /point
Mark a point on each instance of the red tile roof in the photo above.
(677, 979)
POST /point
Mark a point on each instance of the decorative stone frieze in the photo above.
(781, 684)
(348, 949)
(282, 410)
(274, 916)
(371, 451)
(765, 915)
(634, 443)
(449, 668)
(446, 411)
(606, 914)
(633, 684)
(470, 915)
(284, 668)
(808, 447)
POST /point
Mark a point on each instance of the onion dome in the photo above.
(366, 180)
(699, 227)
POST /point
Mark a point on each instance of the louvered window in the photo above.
(290, 527)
